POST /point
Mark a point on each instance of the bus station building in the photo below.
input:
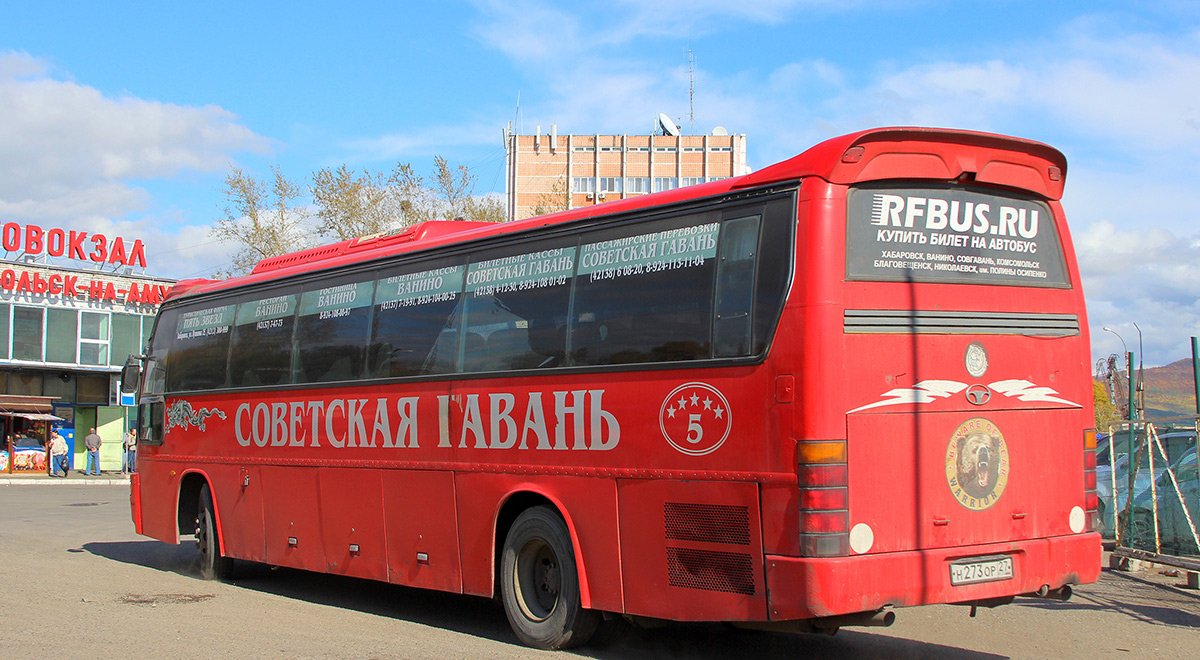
(65, 333)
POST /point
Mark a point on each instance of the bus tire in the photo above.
(213, 566)
(539, 583)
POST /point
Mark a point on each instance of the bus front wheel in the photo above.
(540, 584)
(212, 565)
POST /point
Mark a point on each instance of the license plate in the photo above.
(984, 569)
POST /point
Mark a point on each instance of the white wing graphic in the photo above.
(1026, 391)
(922, 392)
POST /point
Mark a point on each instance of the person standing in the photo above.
(130, 465)
(93, 442)
(58, 454)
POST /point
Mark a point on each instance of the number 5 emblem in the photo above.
(695, 418)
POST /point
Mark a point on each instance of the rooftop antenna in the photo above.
(517, 117)
(691, 92)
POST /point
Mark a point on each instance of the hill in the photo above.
(1170, 390)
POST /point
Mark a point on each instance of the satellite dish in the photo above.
(720, 131)
(668, 126)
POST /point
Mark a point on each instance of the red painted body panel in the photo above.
(292, 518)
(352, 522)
(238, 496)
(421, 518)
(158, 485)
(135, 501)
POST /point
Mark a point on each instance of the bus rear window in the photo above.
(951, 235)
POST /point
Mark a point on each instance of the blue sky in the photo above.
(125, 119)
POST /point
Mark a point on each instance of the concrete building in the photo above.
(551, 172)
(65, 333)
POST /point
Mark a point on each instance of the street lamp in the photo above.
(1141, 383)
(1108, 329)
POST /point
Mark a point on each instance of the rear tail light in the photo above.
(824, 499)
(1090, 498)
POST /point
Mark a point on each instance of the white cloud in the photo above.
(1149, 277)
(67, 150)
(428, 141)
(538, 32)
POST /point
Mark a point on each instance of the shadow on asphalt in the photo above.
(1137, 598)
(484, 618)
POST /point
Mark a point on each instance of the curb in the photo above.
(42, 480)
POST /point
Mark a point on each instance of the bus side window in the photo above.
(644, 293)
(200, 353)
(735, 287)
(262, 341)
(515, 305)
(332, 330)
(417, 307)
(150, 423)
(773, 269)
(159, 346)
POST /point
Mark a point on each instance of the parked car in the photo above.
(1174, 530)
(1177, 444)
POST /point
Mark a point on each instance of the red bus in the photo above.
(853, 381)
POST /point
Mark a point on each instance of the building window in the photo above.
(692, 149)
(637, 185)
(62, 335)
(690, 181)
(665, 149)
(721, 149)
(583, 184)
(27, 326)
(662, 183)
(583, 148)
(638, 149)
(126, 333)
(4, 331)
(610, 184)
(93, 338)
(610, 148)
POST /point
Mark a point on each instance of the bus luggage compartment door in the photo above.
(691, 550)
(945, 479)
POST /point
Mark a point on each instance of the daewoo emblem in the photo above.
(978, 394)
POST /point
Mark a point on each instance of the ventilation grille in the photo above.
(710, 523)
(959, 323)
(710, 570)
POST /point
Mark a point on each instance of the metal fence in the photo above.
(1148, 483)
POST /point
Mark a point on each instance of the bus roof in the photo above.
(874, 154)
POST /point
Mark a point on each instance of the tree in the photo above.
(558, 199)
(351, 205)
(455, 190)
(344, 204)
(263, 219)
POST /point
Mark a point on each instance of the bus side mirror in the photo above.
(130, 373)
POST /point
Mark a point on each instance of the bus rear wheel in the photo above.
(213, 566)
(539, 583)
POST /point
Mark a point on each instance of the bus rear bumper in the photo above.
(804, 588)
